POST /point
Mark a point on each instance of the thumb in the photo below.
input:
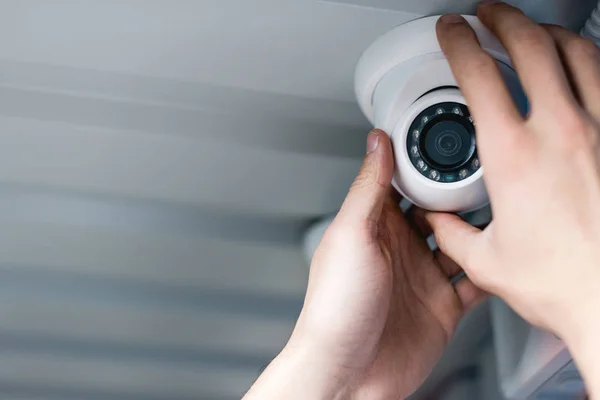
(370, 188)
(455, 237)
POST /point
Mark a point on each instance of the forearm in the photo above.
(299, 373)
(584, 343)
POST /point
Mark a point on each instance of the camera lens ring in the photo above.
(441, 143)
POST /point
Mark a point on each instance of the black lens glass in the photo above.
(441, 143)
(446, 143)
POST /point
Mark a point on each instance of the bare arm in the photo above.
(583, 340)
(298, 373)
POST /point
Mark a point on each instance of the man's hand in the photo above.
(380, 307)
(541, 254)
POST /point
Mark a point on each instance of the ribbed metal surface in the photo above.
(159, 162)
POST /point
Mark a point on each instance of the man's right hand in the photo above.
(541, 253)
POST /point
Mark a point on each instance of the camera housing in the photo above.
(405, 87)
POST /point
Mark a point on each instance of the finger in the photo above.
(371, 187)
(394, 195)
(448, 266)
(469, 294)
(415, 216)
(534, 56)
(581, 58)
(481, 83)
(454, 237)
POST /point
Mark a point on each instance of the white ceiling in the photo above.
(159, 161)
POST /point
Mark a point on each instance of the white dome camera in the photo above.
(404, 86)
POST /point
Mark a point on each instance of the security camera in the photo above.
(405, 87)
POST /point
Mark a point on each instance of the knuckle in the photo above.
(574, 132)
(361, 181)
(555, 31)
(533, 35)
(441, 241)
(364, 177)
(510, 150)
(480, 63)
(571, 123)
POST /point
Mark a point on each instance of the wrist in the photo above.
(317, 369)
(583, 340)
(300, 372)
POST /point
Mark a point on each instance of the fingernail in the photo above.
(372, 141)
(491, 1)
(452, 19)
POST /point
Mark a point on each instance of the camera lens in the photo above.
(442, 143)
(447, 143)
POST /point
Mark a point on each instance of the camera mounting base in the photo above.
(413, 49)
